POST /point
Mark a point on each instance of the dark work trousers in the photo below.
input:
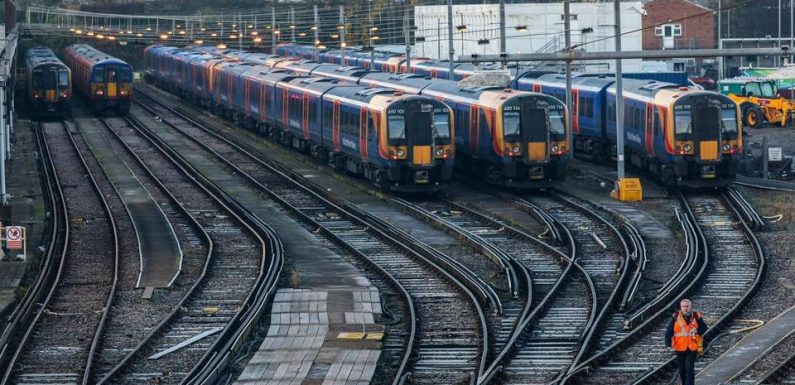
(687, 362)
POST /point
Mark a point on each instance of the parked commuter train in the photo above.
(398, 142)
(49, 83)
(687, 137)
(105, 81)
(507, 137)
(384, 61)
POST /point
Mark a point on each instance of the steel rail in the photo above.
(721, 323)
(47, 274)
(360, 217)
(208, 258)
(24, 340)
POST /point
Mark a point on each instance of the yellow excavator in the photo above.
(758, 101)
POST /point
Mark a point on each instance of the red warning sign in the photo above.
(14, 237)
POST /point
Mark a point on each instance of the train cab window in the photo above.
(63, 79)
(396, 127)
(729, 123)
(99, 75)
(125, 75)
(37, 80)
(683, 124)
(111, 75)
(511, 122)
(557, 124)
(441, 123)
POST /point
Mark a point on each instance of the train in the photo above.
(105, 81)
(505, 137)
(707, 155)
(399, 142)
(686, 137)
(384, 61)
(49, 83)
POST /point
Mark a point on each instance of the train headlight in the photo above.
(688, 147)
(554, 148)
(516, 149)
(439, 151)
(401, 153)
(100, 92)
(726, 147)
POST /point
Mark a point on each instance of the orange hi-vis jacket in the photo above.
(685, 335)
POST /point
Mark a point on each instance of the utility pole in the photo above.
(407, 36)
(779, 31)
(502, 32)
(450, 38)
(292, 24)
(317, 35)
(619, 95)
(791, 24)
(439, 39)
(273, 30)
(370, 35)
(342, 34)
(569, 101)
(720, 39)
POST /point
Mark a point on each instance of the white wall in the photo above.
(544, 23)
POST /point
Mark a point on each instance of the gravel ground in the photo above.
(131, 317)
(778, 288)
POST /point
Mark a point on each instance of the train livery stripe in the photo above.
(335, 133)
(649, 138)
(363, 132)
(305, 115)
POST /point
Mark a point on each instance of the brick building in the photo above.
(664, 29)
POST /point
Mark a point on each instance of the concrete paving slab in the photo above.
(748, 350)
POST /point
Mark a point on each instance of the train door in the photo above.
(706, 129)
(419, 135)
(535, 130)
(112, 80)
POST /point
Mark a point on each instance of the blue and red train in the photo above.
(687, 137)
(105, 81)
(399, 142)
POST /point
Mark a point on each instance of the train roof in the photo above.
(411, 83)
(645, 88)
(94, 55)
(317, 86)
(349, 73)
(301, 66)
(37, 56)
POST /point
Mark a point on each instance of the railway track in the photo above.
(782, 374)
(561, 334)
(449, 342)
(26, 310)
(131, 316)
(243, 257)
(724, 270)
(59, 344)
